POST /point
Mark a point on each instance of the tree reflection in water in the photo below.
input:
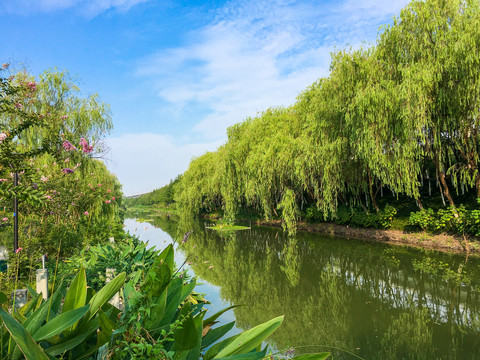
(377, 301)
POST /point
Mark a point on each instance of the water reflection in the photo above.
(377, 301)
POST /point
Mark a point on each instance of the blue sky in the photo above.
(178, 73)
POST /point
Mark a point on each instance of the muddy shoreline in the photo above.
(441, 242)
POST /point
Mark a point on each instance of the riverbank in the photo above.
(439, 242)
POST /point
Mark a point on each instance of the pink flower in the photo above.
(44, 178)
(108, 201)
(109, 191)
(67, 171)
(64, 116)
(68, 146)
(85, 213)
(99, 184)
(113, 198)
(18, 105)
(3, 136)
(2, 180)
(48, 197)
(85, 147)
(32, 86)
(18, 250)
(5, 219)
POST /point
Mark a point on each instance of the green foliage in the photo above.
(457, 220)
(312, 214)
(424, 219)
(51, 135)
(389, 118)
(163, 196)
(290, 211)
(130, 256)
(164, 317)
(43, 329)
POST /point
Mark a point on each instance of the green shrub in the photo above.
(457, 220)
(312, 214)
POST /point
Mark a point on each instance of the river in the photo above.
(350, 297)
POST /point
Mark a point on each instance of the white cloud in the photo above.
(143, 162)
(86, 7)
(259, 54)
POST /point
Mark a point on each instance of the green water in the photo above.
(372, 300)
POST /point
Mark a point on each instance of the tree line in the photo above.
(393, 117)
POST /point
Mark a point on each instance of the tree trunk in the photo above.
(443, 181)
(419, 204)
(477, 184)
(372, 196)
(446, 191)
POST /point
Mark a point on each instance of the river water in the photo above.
(350, 297)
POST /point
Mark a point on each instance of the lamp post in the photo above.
(15, 213)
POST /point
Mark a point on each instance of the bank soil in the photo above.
(442, 242)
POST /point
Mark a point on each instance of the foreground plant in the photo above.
(71, 324)
(164, 318)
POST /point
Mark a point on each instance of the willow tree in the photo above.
(260, 164)
(337, 173)
(381, 134)
(432, 52)
(200, 186)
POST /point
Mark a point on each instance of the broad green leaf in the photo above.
(173, 302)
(194, 354)
(248, 356)
(215, 316)
(217, 347)
(165, 257)
(162, 277)
(215, 334)
(157, 312)
(186, 335)
(60, 323)
(31, 305)
(90, 293)
(31, 291)
(105, 294)
(77, 292)
(250, 339)
(25, 342)
(57, 302)
(3, 298)
(34, 321)
(187, 289)
(106, 326)
(83, 334)
(111, 311)
(19, 317)
(316, 356)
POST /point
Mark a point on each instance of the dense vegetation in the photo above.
(69, 206)
(162, 317)
(163, 196)
(394, 123)
(51, 137)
